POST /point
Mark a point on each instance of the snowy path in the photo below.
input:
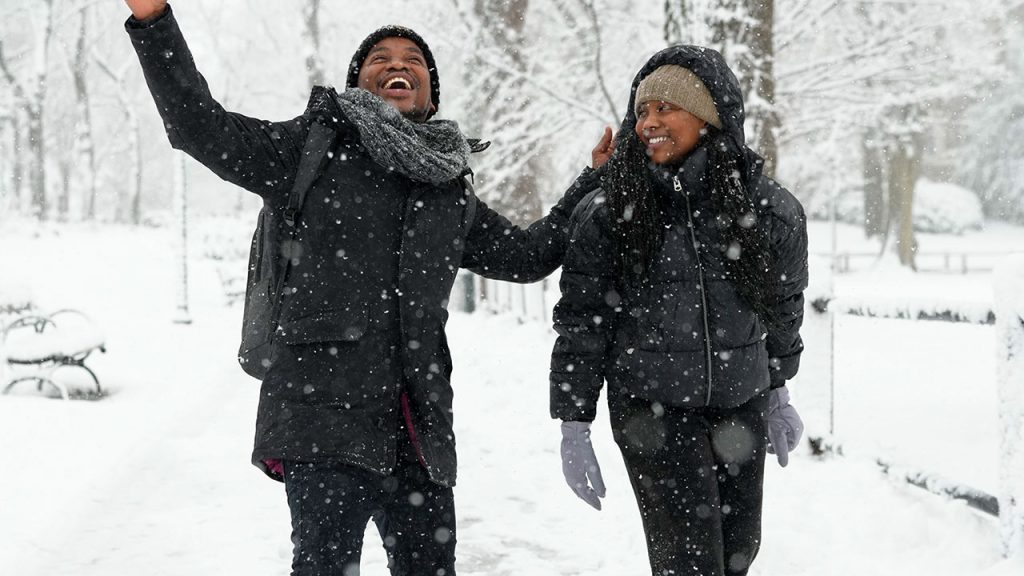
(155, 479)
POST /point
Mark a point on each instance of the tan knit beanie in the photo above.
(679, 86)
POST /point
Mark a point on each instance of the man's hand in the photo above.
(579, 463)
(603, 151)
(146, 9)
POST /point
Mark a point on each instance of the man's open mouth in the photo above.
(398, 83)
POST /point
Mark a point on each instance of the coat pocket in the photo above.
(338, 325)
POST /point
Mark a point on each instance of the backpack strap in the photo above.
(318, 145)
(470, 196)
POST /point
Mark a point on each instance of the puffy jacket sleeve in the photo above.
(497, 249)
(257, 155)
(789, 252)
(584, 316)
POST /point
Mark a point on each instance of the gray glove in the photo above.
(783, 425)
(579, 463)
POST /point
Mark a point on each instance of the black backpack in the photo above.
(264, 285)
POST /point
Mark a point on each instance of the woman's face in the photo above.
(668, 131)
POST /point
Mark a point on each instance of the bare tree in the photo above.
(993, 135)
(129, 204)
(917, 80)
(530, 101)
(311, 35)
(78, 168)
(30, 94)
(8, 162)
(902, 151)
(502, 24)
(863, 84)
(85, 146)
(509, 178)
(743, 31)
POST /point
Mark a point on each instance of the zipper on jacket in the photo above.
(678, 186)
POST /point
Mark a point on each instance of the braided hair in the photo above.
(639, 218)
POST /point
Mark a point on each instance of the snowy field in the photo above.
(155, 478)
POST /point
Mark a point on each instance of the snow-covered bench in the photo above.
(43, 348)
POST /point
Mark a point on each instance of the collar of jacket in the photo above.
(692, 177)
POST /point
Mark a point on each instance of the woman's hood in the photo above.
(711, 68)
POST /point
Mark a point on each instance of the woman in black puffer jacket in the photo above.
(683, 289)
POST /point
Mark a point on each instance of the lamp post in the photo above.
(182, 314)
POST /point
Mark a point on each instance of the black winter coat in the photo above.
(373, 263)
(686, 337)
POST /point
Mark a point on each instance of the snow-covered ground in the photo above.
(155, 478)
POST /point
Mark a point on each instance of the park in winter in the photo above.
(695, 286)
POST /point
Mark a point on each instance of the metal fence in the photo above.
(948, 262)
(1007, 316)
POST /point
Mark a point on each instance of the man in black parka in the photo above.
(355, 412)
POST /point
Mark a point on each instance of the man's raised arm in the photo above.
(257, 155)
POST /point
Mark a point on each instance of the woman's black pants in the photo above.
(697, 475)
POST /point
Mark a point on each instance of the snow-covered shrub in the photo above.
(159, 218)
(945, 208)
(938, 207)
(849, 207)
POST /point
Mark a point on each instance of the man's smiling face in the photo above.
(396, 70)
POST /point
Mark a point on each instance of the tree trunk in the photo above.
(502, 23)
(10, 169)
(18, 169)
(32, 95)
(85, 151)
(759, 72)
(64, 168)
(311, 32)
(675, 16)
(37, 162)
(875, 217)
(136, 193)
(905, 159)
(128, 207)
(743, 31)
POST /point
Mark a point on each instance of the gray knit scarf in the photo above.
(434, 152)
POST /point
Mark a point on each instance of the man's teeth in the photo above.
(657, 140)
(398, 83)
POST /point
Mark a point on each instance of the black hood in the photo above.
(711, 68)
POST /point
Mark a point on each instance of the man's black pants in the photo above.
(697, 475)
(331, 504)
